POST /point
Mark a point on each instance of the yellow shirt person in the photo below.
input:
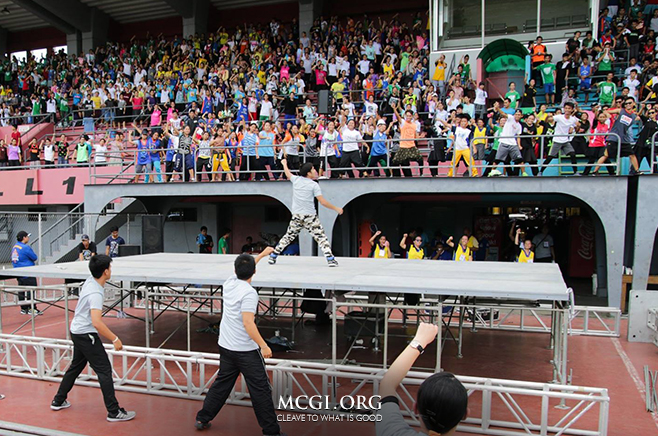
(382, 249)
(415, 251)
(462, 252)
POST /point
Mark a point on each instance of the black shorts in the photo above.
(626, 149)
(595, 152)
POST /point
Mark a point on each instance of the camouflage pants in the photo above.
(310, 223)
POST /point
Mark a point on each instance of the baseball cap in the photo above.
(22, 234)
(84, 238)
(381, 123)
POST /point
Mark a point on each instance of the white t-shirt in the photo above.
(480, 97)
(511, 128)
(632, 85)
(91, 297)
(363, 66)
(462, 136)
(304, 192)
(48, 152)
(238, 296)
(371, 109)
(100, 154)
(562, 127)
(327, 144)
(351, 139)
(265, 108)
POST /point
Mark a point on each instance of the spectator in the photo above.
(204, 241)
(543, 246)
(113, 242)
(22, 255)
(86, 249)
(222, 244)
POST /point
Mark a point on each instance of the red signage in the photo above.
(48, 186)
(582, 261)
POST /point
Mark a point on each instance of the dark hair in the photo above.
(442, 402)
(570, 104)
(305, 169)
(245, 266)
(114, 229)
(98, 264)
(203, 228)
(226, 231)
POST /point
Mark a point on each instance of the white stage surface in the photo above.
(504, 280)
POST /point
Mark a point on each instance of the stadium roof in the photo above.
(17, 15)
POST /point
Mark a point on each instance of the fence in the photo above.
(496, 407)
(250, 163)
(55, 236)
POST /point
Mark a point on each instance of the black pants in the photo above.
(544, 260)
(351, 157)
(89, 348)
(203, 167)
(263, 162)
(645, 153)
(252, 367)
(574, 162)
(248, 161)
(26, 295)
(293, 162)
(375, 159)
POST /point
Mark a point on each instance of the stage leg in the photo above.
(461, 328)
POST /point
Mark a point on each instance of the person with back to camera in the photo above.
(441, 403)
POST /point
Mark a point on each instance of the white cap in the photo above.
(381, 123)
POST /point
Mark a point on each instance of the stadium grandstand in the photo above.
(497, 158)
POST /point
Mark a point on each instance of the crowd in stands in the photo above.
(205, 107)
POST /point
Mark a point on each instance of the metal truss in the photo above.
(496, 407)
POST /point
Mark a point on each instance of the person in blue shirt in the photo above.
(265, 152)
(249, 144)
(379, 151)
(113, 242)
(22, 255)
(154, 145)
(143, 155)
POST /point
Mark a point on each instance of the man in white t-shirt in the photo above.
(242, 350)
(565, 125)
(304, 216)
(266, 108)
(632, 84)
(351, 153)
(85, 328)
(509, 145)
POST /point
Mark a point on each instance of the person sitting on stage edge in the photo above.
(87, 324)
(304, 215)
(241, 350)
(442, 400)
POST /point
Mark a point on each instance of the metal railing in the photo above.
(496, 407)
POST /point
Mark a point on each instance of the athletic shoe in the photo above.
(25, 311)
(59, 406)
(524, 174)
(37, 312)
(121, 415)
(202, 425)
(332, 261)
(272, 259)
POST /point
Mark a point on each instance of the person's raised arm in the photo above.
(373, 237)
(286, 170)
(264, 253)
(517, 236)
(403, 242)
(425, 335)
(450, 243)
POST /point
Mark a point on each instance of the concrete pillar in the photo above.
(3, 42)
(100, 23)
(198, 22)
(74, 43)
(309, 10)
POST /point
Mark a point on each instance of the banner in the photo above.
(491, 228)
(582, 261)
(48, 186)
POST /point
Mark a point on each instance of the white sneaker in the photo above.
(64, 405)
(121, 415)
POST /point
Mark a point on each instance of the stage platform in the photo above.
(503, 280)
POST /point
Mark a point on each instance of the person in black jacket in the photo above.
(643, 147)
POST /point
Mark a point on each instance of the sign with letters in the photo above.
(48, 186)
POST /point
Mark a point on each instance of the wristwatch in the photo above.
(416, 345)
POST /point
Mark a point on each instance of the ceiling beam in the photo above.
(74, 12)
(47, 16)
(184, 8)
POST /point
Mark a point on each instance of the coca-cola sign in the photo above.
(582, 261)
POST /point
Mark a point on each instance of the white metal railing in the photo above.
(496, 407)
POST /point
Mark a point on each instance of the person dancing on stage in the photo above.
(304, 215)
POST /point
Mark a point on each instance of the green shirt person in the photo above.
(222, 244)
(607, 90)
(513, 95)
